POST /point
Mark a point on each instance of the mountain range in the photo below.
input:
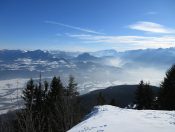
(92, 70)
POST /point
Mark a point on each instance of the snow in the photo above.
(113, 119)
(10, 94)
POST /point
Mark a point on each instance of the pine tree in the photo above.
(46, 89)
(56, 106)
(166, 97)
(148, 97)
(100, 99)
(46, 86)
(112, 102)
(54, 109)
(139, 95)
(56, 89)
(29, 94)
(144, 96)
(33, 113)
(72, 103)
(72, 87)
(39, 97)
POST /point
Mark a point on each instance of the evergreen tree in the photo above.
(72, 87)
(54, 109)
(166, 97)
(33, 96)
(39, 97)
(112, 102)
(148, 97)
(45, 90)
(56, 89)
(72, 103)
(29, 94)
(144, 96)
(100, 99)
(46, 86)
(139, 96)
(56, 106)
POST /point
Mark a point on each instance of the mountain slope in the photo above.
(123, 95)
(113, 119)
(102, 53)
(85, 57)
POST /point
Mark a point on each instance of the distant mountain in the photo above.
(152, 57)
(105, 53)
(86, 57)
(27, 64)
(37, 54)
(11, 55)
(64, 54)
(92, 70)
(159, 58)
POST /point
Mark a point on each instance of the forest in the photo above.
(53, 107)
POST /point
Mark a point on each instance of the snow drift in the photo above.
(113, 119)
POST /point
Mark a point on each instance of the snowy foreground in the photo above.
(113, 119)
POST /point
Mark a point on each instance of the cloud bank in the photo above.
(131, 42)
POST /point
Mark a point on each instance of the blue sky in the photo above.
(87, 25)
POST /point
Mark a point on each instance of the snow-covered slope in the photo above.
(113, 119)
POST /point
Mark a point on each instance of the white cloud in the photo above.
(73, 27)
(151, 27)
(127, 42)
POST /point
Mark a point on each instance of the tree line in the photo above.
(146, 98)
(49, 107)
(53, 107)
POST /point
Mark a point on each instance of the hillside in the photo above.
(113, 119)
(123, 95)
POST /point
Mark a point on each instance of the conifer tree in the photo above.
(112, 102)
(166, 99)
(72, 87)
(54, 109)
(56, 89)
(148, 97)
(46, 89)
(56, 106)
(33, 113)
(72, 103)
(100, 99)
(144, 96)
(139, 95)
(39, 97)
(29, 94)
